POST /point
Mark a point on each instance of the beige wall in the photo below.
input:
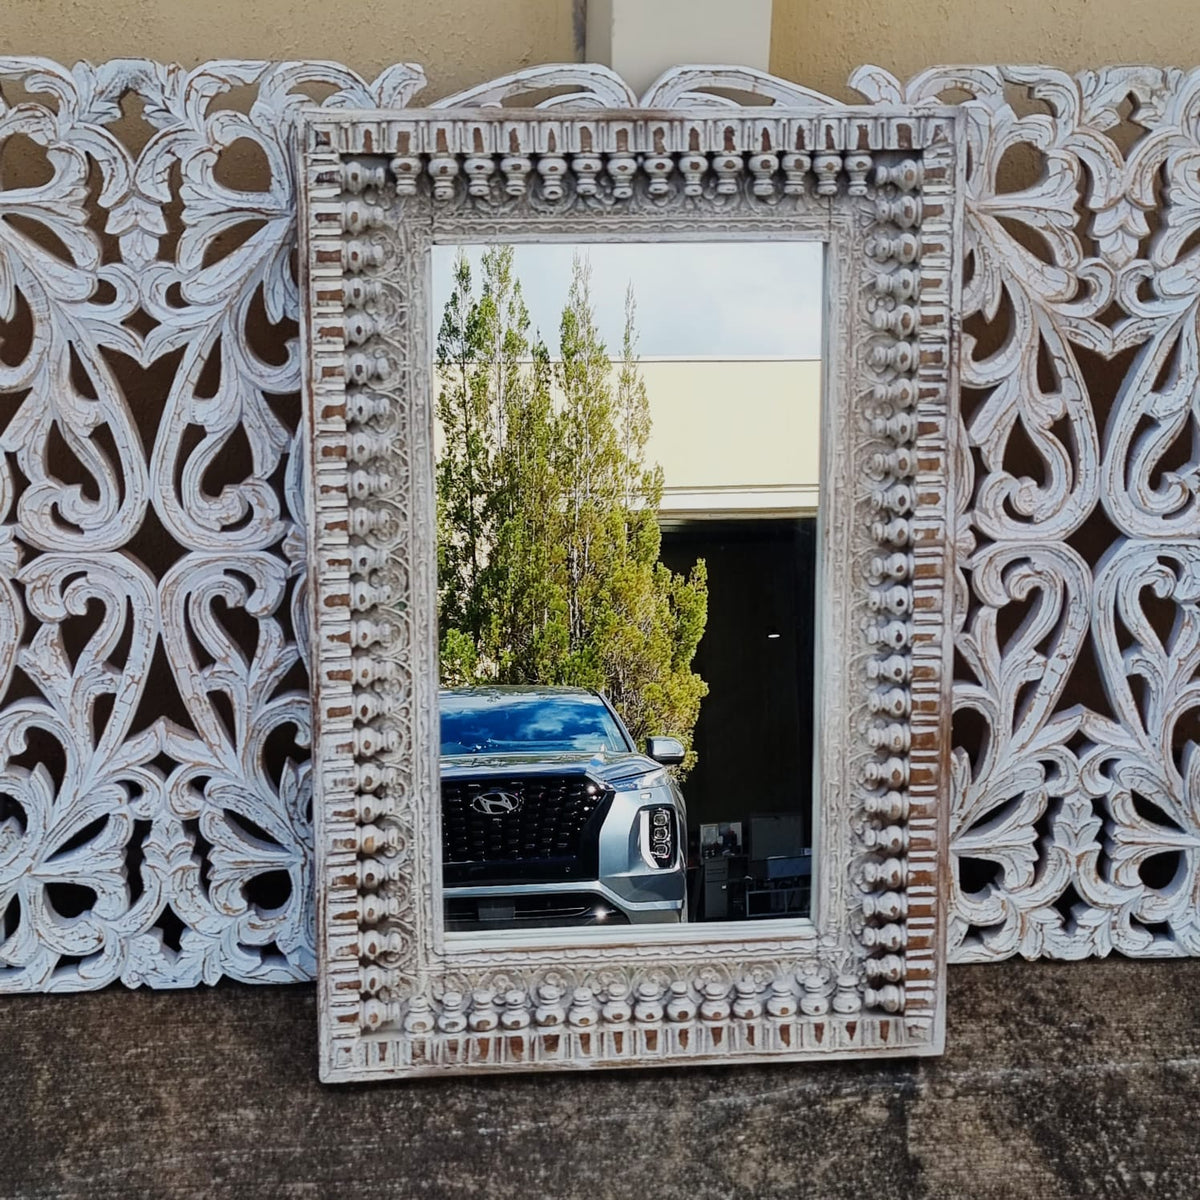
(768, 459)
(461, 42)
(640, 39)
(819, 44)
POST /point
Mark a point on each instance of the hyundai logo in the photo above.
(496, 804)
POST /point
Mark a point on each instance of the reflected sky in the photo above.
(695, 299)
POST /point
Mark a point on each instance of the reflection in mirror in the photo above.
(627, 479)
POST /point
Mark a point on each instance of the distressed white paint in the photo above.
(866, 974)
(1079, 739)
(1049, 802)
(118, 824)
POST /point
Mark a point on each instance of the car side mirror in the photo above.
(666, 750)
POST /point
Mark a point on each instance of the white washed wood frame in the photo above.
(882, 188)
(1074, 767)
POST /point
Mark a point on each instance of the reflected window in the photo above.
(499, 720)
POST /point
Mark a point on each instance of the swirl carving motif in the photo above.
(154, 806)
(1073, 823)
(154, 810)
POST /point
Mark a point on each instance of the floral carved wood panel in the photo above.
(154, 789)
(154, 796)
(1076, 818)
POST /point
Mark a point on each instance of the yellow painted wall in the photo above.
(767, 459)
(461, 42)
(819, 42)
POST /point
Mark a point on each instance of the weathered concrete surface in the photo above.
(1078, 1080)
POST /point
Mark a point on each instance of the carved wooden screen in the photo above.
(1077, 776)
(154, 791)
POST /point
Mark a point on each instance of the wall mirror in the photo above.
(627, 580)
(628, 501)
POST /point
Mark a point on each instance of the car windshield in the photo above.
(478, 722)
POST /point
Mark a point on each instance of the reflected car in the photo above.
(552, 816)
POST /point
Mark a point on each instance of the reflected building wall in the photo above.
(739, 444)
(735, 437)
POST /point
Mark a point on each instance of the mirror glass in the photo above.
(628, 450)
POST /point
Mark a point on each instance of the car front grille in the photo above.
(522, 828)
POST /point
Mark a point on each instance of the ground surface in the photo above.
(1074, 1080)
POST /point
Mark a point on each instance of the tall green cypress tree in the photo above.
(527, 634)
(463, 476)
(548, 534)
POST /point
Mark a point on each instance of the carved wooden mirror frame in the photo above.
(882, 189)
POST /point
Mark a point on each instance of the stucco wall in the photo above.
(819, 44)
(461, 42)
(1061, 1081)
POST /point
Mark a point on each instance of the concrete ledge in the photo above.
(214, 1094)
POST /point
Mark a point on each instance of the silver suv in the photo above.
(551, 816)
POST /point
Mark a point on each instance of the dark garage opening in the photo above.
(754, 738)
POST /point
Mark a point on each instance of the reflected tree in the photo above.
(548, 535)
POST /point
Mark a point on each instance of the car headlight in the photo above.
(649, 779)
(658, 837)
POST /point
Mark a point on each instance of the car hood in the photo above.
(602, 767)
